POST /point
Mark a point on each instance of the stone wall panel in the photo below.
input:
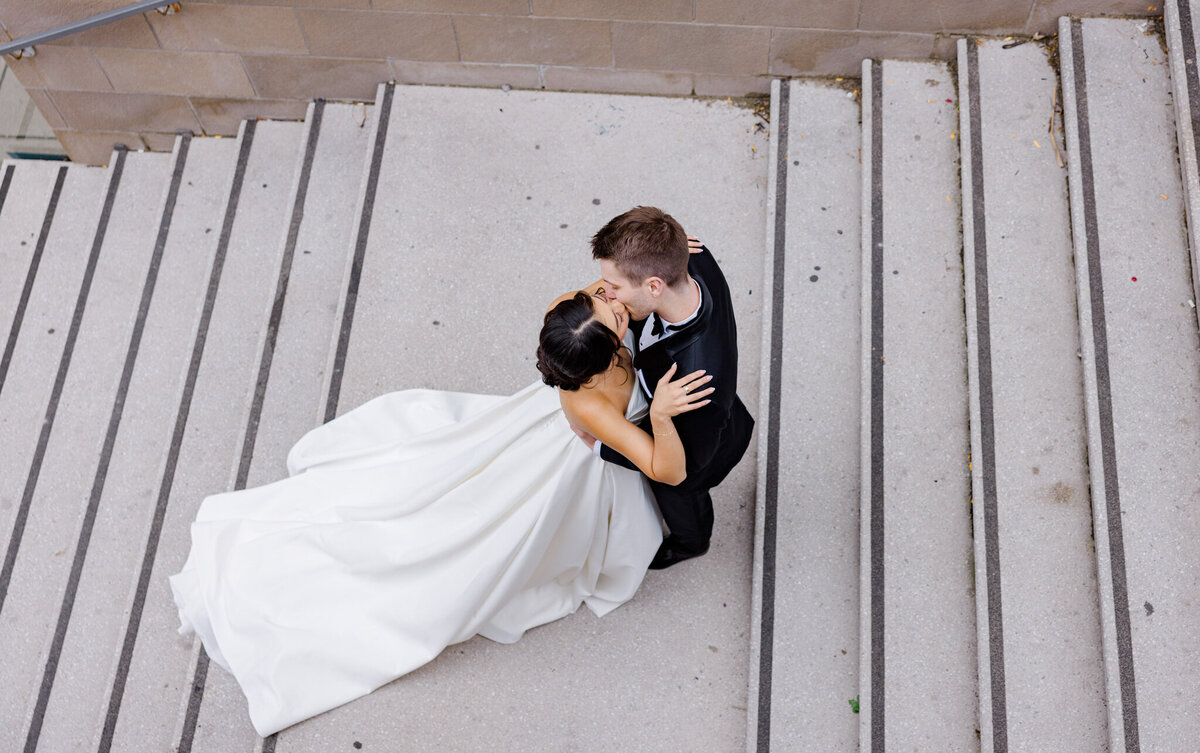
(362, 34)
(545, 41)
(225, 28)
(165, 72)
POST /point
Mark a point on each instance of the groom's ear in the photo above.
(655, 285)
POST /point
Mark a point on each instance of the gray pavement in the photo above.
(811, 489)
(1141, 375)
(1039, 635)
(477, 228)
(918, 614)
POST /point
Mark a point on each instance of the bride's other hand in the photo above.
(694, 245)
(588, 439)
(681, 395)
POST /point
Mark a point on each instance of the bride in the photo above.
(423, 518)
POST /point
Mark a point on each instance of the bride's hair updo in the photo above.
(574, 345)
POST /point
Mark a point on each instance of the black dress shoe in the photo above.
(668, 554)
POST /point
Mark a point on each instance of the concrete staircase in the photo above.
(1020, 511)
(974, 520)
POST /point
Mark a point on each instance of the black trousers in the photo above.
(688, 508)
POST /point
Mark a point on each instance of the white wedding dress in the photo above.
(413, 522)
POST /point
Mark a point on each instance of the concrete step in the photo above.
(25, 190)
(1180, 26)
(804, 647)
(918, 676)
(69, 522)
(1141, 359)
(148, 661)
(473, 230)
(68, 322)
(1039, 635)
(320, 241)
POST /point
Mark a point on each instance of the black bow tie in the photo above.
(657, 328)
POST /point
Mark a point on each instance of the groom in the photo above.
(681, 313)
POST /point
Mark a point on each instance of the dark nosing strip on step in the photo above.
(987, 425)
(5, 183)
(143, 585)
(106, 453)
(39, 453)
(12, 336)
(360, 249)
(877, 595)
(196, 692)
(766, 649)
(285, 271)
(30, 274)
(1112, 499)
(1189, 67)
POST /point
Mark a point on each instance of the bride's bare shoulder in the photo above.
(586, 402)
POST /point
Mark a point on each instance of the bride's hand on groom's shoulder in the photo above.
(681, 395)
(694, 245)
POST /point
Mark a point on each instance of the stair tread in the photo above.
(927, 657)
(1047, 627)
(814, 626)
(1141, 376)
(452, 195)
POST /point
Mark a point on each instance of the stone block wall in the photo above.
(139, 80)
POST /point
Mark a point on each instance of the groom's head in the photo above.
(642, 254)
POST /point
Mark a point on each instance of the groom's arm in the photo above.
(612, 456)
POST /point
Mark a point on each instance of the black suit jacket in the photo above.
(714, 437)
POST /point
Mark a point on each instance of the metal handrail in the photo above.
(25, 45)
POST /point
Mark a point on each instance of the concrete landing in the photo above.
(475, 228)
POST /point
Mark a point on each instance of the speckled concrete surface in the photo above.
(815, 627)
(486, 203)
(929, 608)
(84, 671)
(158, 668)
(294, 400)
(1154, 367)
(1050, 625)
(31, 605)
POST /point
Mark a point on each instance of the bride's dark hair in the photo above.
(574, 345)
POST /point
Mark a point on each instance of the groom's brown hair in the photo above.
(644, 242)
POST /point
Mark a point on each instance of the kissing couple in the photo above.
(423, 518)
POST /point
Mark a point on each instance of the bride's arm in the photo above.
(661, 456)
